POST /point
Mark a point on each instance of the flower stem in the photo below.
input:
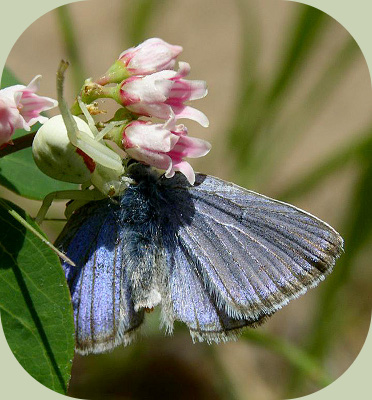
(20, 143)
(91, 91)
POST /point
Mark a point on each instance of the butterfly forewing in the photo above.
(100, 290)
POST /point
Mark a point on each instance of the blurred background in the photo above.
(290, 109)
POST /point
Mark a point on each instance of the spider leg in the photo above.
(71, 126)
(88, 117)
(108, 128)
(86, 195)
(77, 203)
(96, 150)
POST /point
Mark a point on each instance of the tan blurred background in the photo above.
(211, 35)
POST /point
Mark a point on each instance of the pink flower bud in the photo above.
(163, 146)
(151, 56)
(162, 94)
(20, 107)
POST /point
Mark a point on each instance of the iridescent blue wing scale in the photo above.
(100, 291)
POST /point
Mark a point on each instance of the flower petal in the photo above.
(33, 105)
(157, 160)
(184, 90)
(138, 89)
(185, 168)
(151, 137)
(183, 70)
(34, 85)
(190, 147)
(190, 113)
(161, 110)
(10, 120)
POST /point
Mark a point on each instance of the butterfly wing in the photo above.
(100, 291)
(194, 305)
(218, 257)
(241, 256)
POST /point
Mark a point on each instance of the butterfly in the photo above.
(214, 255)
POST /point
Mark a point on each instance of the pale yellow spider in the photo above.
(60, 150)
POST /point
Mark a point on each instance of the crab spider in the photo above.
(69, 149)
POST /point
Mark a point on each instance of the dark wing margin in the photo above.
(100, 291)
(242, 257)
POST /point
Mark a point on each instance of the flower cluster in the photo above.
(146, 84)
(20, 108)
(153, 88)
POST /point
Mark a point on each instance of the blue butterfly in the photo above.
(214, 255)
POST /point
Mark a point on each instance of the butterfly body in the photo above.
(214, 256)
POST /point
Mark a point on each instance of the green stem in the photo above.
(331, 164)
(91, 91)
(69, 36)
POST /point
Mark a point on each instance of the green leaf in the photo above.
(35, 304)
(8, 79)
(18, 171)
